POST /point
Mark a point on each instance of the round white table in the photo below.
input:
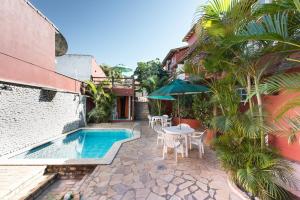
(184, 131)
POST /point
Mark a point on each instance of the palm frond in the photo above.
(297, 4)
(291, 104)
(280, 82)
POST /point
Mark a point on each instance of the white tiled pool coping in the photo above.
(106, 160)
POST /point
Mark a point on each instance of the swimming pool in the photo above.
(82, 146)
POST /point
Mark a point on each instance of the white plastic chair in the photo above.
(160, 134)
(171, 141)
(151, 121)
(166, 122)
(197, 139)
(184, 125)
(165, 116)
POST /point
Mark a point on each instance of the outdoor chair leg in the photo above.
(164, 151)
(200, 152)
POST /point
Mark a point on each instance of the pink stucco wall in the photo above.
(16, 71)
(280, 139)
(26, 35)
(96, 70)
(27, 48)
(177, 56)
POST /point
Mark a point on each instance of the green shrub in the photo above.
(260, 172)
(202, 109)
(104, 102)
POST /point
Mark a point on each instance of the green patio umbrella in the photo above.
(179, 87)
(167, 98)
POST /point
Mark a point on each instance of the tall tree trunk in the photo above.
(260, 110)
(248, 92)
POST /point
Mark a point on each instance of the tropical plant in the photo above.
(116, 72)
(202, 109)
(156, 107)
(260, 172)
(103, 100)
(151, 75)
(248, 45)
(183, 103)
(285, 83)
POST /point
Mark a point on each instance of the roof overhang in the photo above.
(172, 52)
(189, 34)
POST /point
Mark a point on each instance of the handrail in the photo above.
(128, 82)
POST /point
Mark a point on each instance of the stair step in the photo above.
(22, 182)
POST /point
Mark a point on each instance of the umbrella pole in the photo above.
(178, 109)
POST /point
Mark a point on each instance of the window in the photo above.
(243, 94)
(265, 1)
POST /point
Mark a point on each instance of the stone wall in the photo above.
(141, 110)
(30, 115)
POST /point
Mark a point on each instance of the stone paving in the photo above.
(139, 172)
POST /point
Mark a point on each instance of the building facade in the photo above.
(174, 61)
(36, 102)
(78, 66)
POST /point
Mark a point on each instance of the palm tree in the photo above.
(103, 100)
(243, 42)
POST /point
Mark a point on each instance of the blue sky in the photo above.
(121, 31)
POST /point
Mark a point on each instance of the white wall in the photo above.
(75, 66)
(29, 115)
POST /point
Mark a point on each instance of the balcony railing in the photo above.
(126, 82)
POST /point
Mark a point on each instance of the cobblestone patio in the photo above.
(139, 172)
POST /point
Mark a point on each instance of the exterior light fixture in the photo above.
(5, 87)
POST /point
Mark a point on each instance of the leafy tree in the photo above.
(116, 72)
(151, 75)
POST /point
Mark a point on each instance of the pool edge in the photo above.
(106, 160)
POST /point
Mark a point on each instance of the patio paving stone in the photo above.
(139, 172)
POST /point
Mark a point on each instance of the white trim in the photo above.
(34, 85)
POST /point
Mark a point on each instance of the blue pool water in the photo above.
(85, 143)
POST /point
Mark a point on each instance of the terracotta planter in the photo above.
(211, 134)
(192, 122)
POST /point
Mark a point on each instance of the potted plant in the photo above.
(186, 112)
(202, 109)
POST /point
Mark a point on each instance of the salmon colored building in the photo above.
(27, 54)
(37, 102)
(124, 90)
(174, 61)
(272, 102)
